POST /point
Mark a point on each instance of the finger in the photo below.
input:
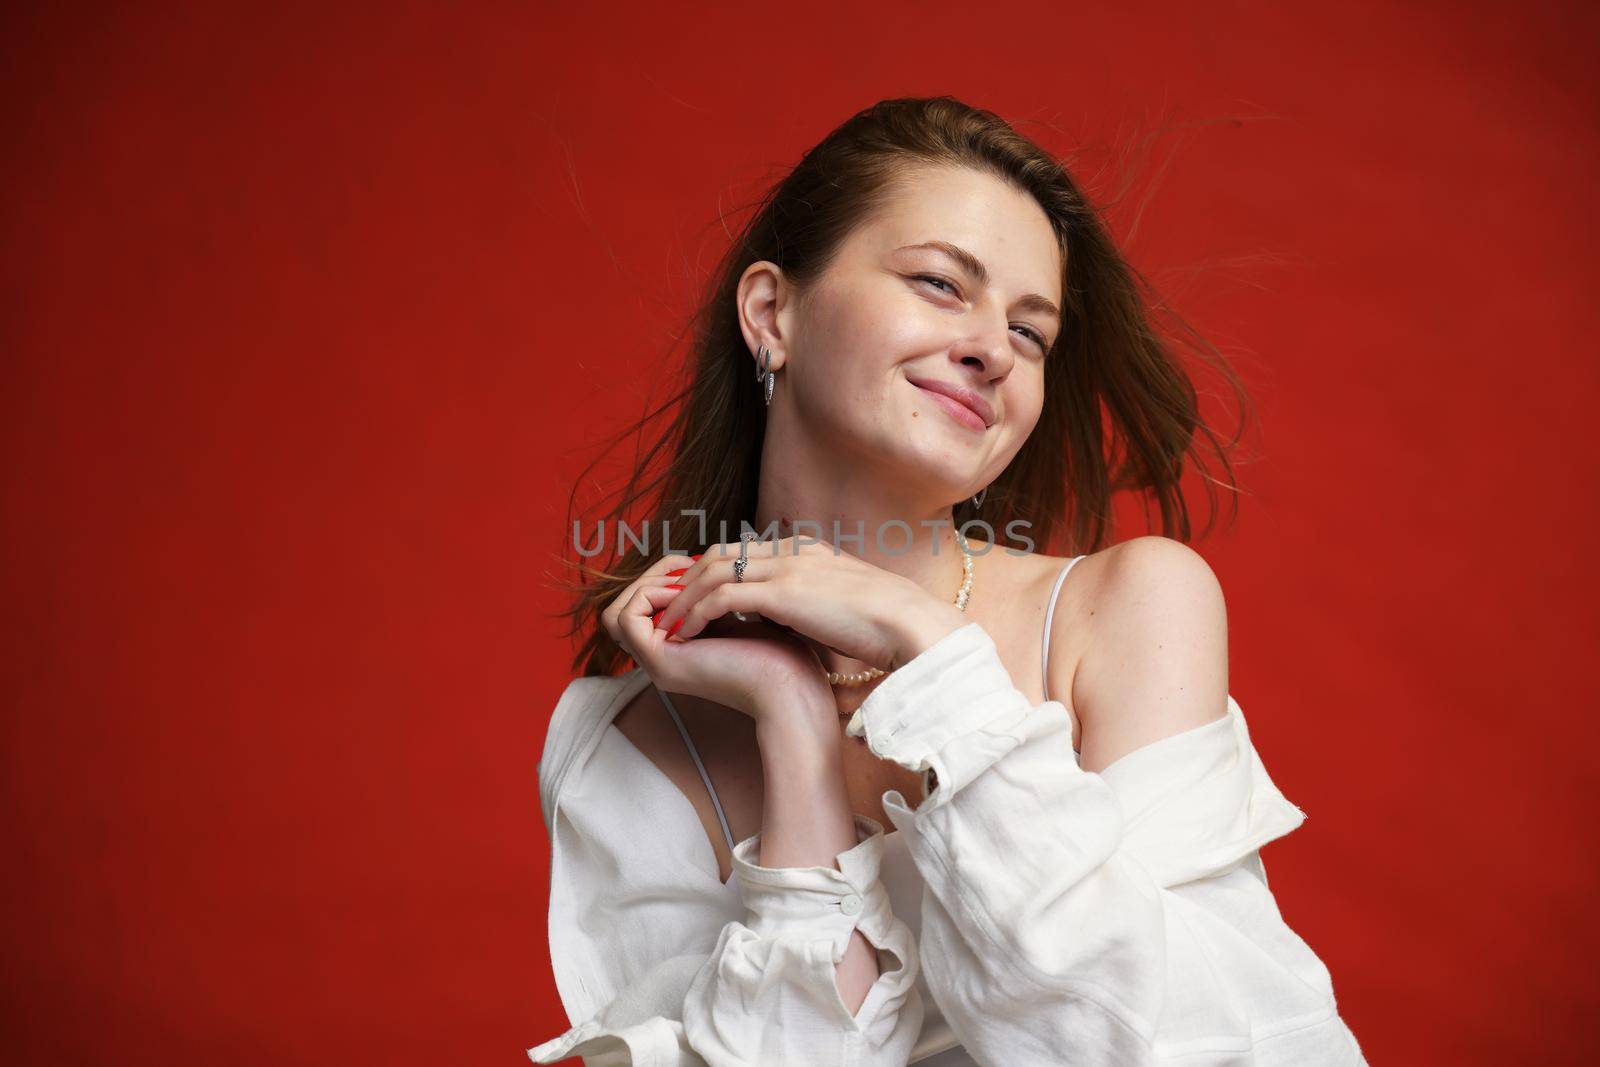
(748, 597)
(635, 630)
(648, 599)
(719, 557)
(662, 568)
(716, 566)
(712, 574)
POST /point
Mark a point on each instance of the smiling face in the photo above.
(951, 285)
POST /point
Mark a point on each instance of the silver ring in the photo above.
(738, 568)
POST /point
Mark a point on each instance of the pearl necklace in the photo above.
(859, 677)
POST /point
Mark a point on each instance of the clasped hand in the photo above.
(676, 622)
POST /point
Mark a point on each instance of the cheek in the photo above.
(1025, 401)
(838, 333)
(1022, 419)
(856, 352)
(876, 322)
(879, 333)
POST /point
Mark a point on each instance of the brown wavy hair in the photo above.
(1119, 412)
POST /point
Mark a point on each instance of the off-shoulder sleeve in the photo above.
(765, 992)
(1075, 917)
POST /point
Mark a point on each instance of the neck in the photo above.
(900, 533)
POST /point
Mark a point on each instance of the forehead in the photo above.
(999, 223)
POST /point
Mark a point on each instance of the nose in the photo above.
(987, 354)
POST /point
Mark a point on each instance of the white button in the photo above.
(850, 904)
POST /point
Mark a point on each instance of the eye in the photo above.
(936, 278)
(1038, 338)
(1034, 335)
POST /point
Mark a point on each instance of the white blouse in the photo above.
(1026, 912)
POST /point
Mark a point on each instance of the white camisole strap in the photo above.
(1049, 617)
(694, 754)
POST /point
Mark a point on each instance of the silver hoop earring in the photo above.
(977, 501)
(764, 371)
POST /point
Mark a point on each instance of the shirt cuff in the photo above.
(952, 710)
(817, 903)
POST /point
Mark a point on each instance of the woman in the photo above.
(938, 324)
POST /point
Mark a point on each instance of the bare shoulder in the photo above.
(1153, 646)
(1158, 569)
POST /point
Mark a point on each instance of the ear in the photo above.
(765, 304)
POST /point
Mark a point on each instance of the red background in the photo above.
(311, 317)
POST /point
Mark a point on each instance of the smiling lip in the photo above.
(974, 403)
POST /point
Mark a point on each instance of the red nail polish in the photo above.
(674, 627)
(676, 585)
(674, 574)
(697, 556)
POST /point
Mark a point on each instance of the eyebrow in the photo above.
(975, 267)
